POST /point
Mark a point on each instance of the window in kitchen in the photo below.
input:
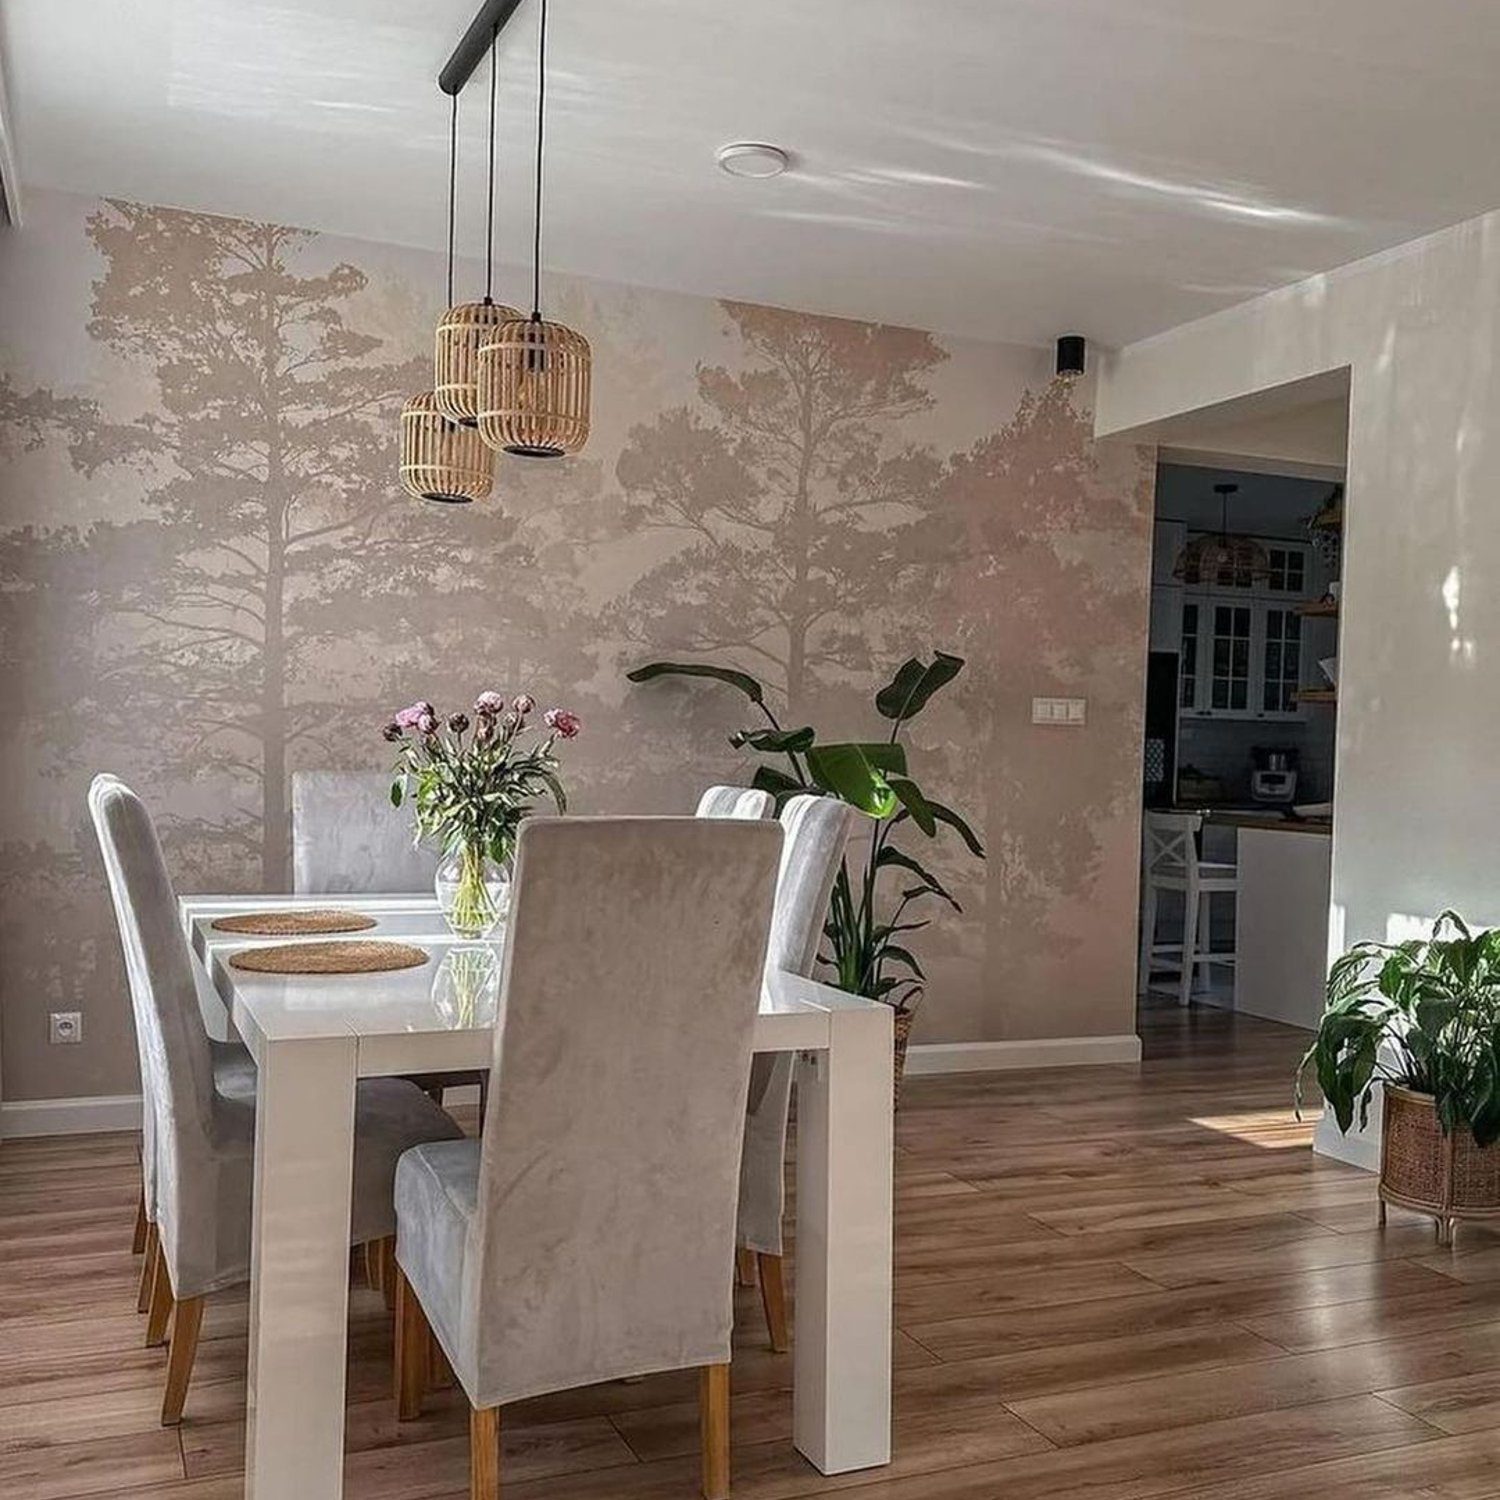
(1229, 683)
(1283, 661)
(1288, 574)
(1189, 658)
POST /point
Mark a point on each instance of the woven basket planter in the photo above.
(901, 1032)
(1447, 1176)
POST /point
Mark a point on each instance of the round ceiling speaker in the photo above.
(752, 159)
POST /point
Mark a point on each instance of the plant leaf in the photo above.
(947, 815)
(741, 680)
(906, 694)
(773, 741)
(915, 803)
(856, 774)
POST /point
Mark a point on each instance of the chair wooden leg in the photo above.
(386, 1251)
(773, 1299)
(744, 1266)
(148, 1269)
(440, 1376)
(413, 1349)
(713, 1418)
(484, 1453)
(160, 1311)
(186, 1321)
(142, 1224)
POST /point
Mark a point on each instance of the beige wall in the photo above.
(1417, 822)
(212, 578)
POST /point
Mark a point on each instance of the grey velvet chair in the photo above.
(205, 1138)
(735, 802)
(346, 837)
(233, 1071)
(817, 828)
(589, 1234)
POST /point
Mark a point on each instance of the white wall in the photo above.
(1417, 815)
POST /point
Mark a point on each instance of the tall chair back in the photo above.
(347, 837)
(606, 1196)
(1171, 845)
(735, 802)
(176, 1062)
(817, 829)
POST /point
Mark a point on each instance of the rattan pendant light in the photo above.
(534, 376)
(466, 328)
(1226, 557)
(442, 459)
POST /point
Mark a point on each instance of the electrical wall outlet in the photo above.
(65, 1026)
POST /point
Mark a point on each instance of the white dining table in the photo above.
(313, 1036)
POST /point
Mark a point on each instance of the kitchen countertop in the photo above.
(1260, 817)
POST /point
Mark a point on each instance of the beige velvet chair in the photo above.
(817, 829)
(205, 1138)
(589, 1234)
(735, 802)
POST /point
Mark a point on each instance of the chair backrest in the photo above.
(346, 836)
(606, 1208)
(817, 829)
(1171, 844)
(735, 802)
(176, 1062)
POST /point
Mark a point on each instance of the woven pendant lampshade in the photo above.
(534, 385)
(440, 459)
(1223, 557)
(462, 333)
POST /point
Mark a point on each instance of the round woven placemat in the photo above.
(294, 923)
(357, 957)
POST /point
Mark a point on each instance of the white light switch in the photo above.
(1069, 711)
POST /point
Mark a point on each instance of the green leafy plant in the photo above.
(870, 913)
(1421, 1014)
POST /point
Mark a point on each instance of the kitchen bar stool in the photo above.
(1171, 863)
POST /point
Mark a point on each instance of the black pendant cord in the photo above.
(541, 104)
(489, 236)
(452, 189)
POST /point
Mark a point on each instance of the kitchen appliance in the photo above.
(1273, 777)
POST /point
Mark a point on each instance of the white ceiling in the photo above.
(1003, 168)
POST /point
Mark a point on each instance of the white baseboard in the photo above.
(91, 1116)
(1038, 1052)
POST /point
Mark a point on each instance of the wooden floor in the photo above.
(1110, 1283)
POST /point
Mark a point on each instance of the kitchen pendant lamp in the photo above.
(1223, 558)
(466, 328)
(441, 459)
(534, 376)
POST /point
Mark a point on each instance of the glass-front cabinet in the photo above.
(1242, 653)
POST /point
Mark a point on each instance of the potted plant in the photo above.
(470, 781)
(1421, 1018)
(875, 903)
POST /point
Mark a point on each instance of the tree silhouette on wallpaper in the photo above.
(1043, 539)
(796, 506)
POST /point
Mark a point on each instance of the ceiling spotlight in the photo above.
(752, 159)
(1071, 349)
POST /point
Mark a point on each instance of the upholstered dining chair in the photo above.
(233, 1072)
(346, 837)
(735, 802)
(817, 828)
(205, 1138)
(588, 1235)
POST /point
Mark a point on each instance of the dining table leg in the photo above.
(299, 1268)
(841, 1345)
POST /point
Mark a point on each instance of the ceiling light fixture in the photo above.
(535, 376)
(465, 329)
(1224, 559)
(1072, 350)
(752, 159)
(441, 458)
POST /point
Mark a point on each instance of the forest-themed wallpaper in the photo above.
(212, 578)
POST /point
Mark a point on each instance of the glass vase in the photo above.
(473, 891)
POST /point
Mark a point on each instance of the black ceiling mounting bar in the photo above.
(490, 21)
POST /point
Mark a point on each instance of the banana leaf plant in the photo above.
(876, 906)
(1422, 1014)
